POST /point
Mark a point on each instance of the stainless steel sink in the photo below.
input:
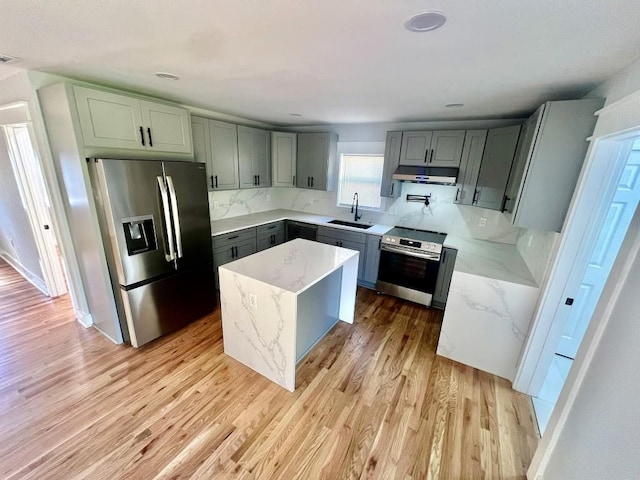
(350, 224)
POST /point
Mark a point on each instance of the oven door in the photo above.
(408, 274)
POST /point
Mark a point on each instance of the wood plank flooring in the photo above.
(373, 401)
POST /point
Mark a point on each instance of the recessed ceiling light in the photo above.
(425, 21)
(454, 105)
(167, 76)
(295, 114)
(4, 58)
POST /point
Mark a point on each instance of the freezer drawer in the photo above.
(167, 305)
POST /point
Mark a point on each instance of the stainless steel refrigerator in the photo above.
(154, 222)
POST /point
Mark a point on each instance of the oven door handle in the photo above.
(402, 251)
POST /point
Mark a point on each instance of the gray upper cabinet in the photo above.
(389, 187)
(215, 143)
(499, 150)
(470, 166)
(552, 160)
(316, 160)
(119, 121)
(434, 149)
(283, 158)
(254, 157)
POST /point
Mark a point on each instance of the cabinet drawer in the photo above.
(233, 238)
(344, 235)
(269, 240)
(269, 228)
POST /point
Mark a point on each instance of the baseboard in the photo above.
(85, 319)
(28, 275)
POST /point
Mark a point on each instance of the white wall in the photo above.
(16, 237)
(619, 85)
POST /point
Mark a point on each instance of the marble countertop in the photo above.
(499, 261)
(292, 266)
(228, 225)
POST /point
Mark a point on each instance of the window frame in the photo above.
(358, 148)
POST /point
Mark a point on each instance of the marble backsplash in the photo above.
(441, 215)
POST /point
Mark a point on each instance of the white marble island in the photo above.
(491, 302)
(278, 303)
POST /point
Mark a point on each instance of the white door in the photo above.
(619, 215)
(167, 128)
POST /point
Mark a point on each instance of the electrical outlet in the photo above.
(268, 197)
(482, 222)
(433, 199)
(216, 204)
(311, 200)
(253, 300)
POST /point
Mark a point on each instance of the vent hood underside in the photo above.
(433, 175)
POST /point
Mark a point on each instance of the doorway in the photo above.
(602, 216)
(20, 148)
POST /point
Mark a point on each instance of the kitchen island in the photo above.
(278, 303)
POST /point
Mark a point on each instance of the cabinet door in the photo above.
(496, 163)
(312, 160)
(415, 147)
(360, 247)
(168, 128)
(245, 249)
(283, 157)
(372, 259)
(523, 150)
(110, 120)
(254, 157)
(224, 155)
(470, 166)
(446, 148)
(388, 186)
(202, 145)
(445, 272)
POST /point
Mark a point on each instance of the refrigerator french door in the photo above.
(154, 221)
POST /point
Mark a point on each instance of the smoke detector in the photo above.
(4, 58)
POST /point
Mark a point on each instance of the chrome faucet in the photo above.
(356, 217)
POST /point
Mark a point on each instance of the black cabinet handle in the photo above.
(311, 182)
(258, 180)
(426, 155)
(212, 185)
(457, 193)
(475, 196)
(294, 179)
(308, 181)
(142, 135)
(431, 156)
(503, 208)
(235, 236)
(150, 139)
(392, 185)
(216, 177)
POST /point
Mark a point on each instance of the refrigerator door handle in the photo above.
(167, 220)
(176, 215)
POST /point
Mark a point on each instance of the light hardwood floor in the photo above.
(373, 401)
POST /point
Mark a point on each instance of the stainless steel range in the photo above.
(409, 263)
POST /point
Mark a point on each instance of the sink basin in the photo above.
(351, 224)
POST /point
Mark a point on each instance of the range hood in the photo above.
(437, 175)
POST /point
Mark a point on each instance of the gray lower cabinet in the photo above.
(447, 262)
(316, 160)
(233, 246)
(499, 150)
(254, 157)
(270, 235)
(372, 260)
(470, 166)
(388, 186)
(347, 239)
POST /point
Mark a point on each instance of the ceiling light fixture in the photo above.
(454, 105)
(167, 76)
(425, 21)
(4, 58)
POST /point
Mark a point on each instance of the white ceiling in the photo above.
(334, 61)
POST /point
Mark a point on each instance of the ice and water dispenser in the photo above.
(139, 234)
